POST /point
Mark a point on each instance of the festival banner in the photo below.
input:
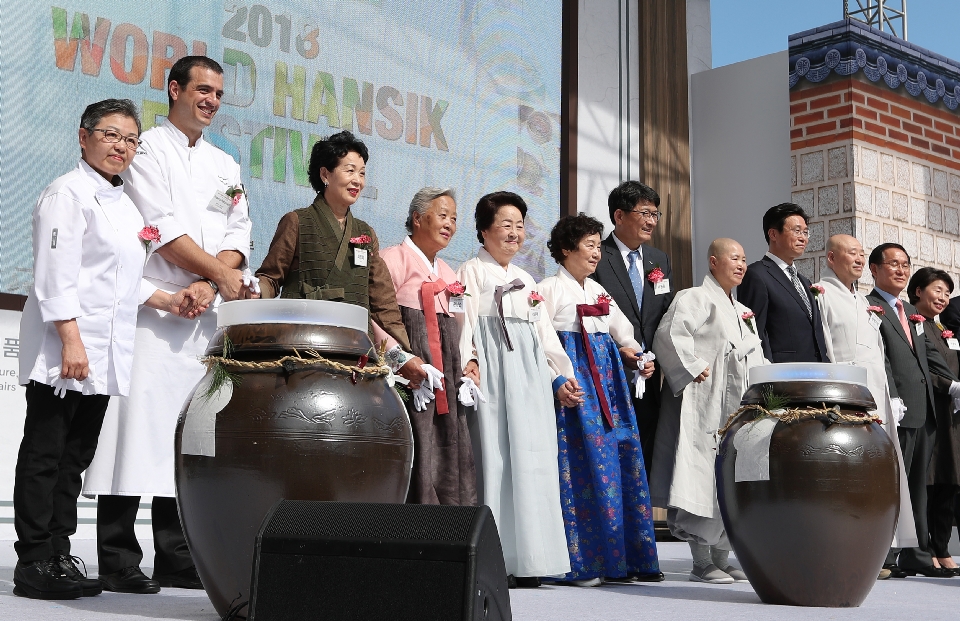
(444, 93)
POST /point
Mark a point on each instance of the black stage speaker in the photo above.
(364, 562)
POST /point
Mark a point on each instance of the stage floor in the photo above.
(677, 598)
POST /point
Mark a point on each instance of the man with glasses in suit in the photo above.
(910, 361)
(637, 276)
(787, 317)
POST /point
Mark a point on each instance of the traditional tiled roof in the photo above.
(849, 46)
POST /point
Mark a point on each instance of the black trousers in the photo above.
(117, 545)
(59, 441)
(943, 508)
(917, 447)
(648, 414)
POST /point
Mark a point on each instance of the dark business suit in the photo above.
(909, 378)
(612, 275)
(943, 474)
(950, 317)
(788, 333)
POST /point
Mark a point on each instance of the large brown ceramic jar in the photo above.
(298, 433)
(817, 532)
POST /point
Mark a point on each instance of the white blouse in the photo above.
(181, 190)
(561, 295)
(88, 262)
(481, 276)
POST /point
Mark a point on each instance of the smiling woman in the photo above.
(322, 252)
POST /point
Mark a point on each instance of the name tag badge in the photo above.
(456, 304)
(220, 202)
(875, 321)
(953, 344)
(662, 287)
(919, 328)
(534, 315)
(360, 257)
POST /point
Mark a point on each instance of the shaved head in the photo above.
(845, 257)
(728, 263)
(838, 243)
(721, 246)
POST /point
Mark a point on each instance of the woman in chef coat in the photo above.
(76, 341)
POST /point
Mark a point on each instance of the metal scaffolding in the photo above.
(880, 15)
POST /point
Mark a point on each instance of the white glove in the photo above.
(62, 385)
(422, 396)
(898, 408)
(250, 281)
(955, 390)
(469, 393)
(641, 383)
(434, 379)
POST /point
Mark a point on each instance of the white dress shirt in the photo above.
(88, 262)
(625, 252)
(174, 186)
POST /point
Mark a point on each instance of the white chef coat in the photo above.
(173, 185)
(87, 264)
(562, 293)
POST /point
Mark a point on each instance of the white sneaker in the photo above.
(736, 574)
(589, 582)
(710, 574)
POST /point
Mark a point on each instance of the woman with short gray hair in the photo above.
(430, 299)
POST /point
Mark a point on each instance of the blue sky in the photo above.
(743, 29)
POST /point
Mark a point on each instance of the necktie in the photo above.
(428, 292)
(595, 310)
(636, 279)
(904, 322)
(498, 294)
(800, 289)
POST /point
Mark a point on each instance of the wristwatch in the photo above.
(216, 289)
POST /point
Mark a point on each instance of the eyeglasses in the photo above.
(113, 137)
(896, 265)
(798, 232)
(647, 215)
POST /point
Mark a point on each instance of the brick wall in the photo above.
(874, 163)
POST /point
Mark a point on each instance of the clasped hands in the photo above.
(235, 284)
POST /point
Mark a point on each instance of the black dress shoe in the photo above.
(527, 582)
(129, 580)
(67, 564)
(43, 580)
(183, 579)
(930, 572)
(895, 571)
(655, 577)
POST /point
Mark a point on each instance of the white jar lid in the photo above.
(807, 372)
(282, 310)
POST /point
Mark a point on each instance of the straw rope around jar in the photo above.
(227, 369)
(793, 415)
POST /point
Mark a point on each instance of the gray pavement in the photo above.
(677, 598)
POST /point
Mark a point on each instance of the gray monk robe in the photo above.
(702, 328)
(851, 339)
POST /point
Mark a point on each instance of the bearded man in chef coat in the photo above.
(192, 192)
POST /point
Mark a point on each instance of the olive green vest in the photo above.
(326, 270)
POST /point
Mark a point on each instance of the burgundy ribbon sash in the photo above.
(595, 310)
(498, 294)
(427, 292)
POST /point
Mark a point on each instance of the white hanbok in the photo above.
(181, 190)
(850, 339)
(702, 328)
(515, 432)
